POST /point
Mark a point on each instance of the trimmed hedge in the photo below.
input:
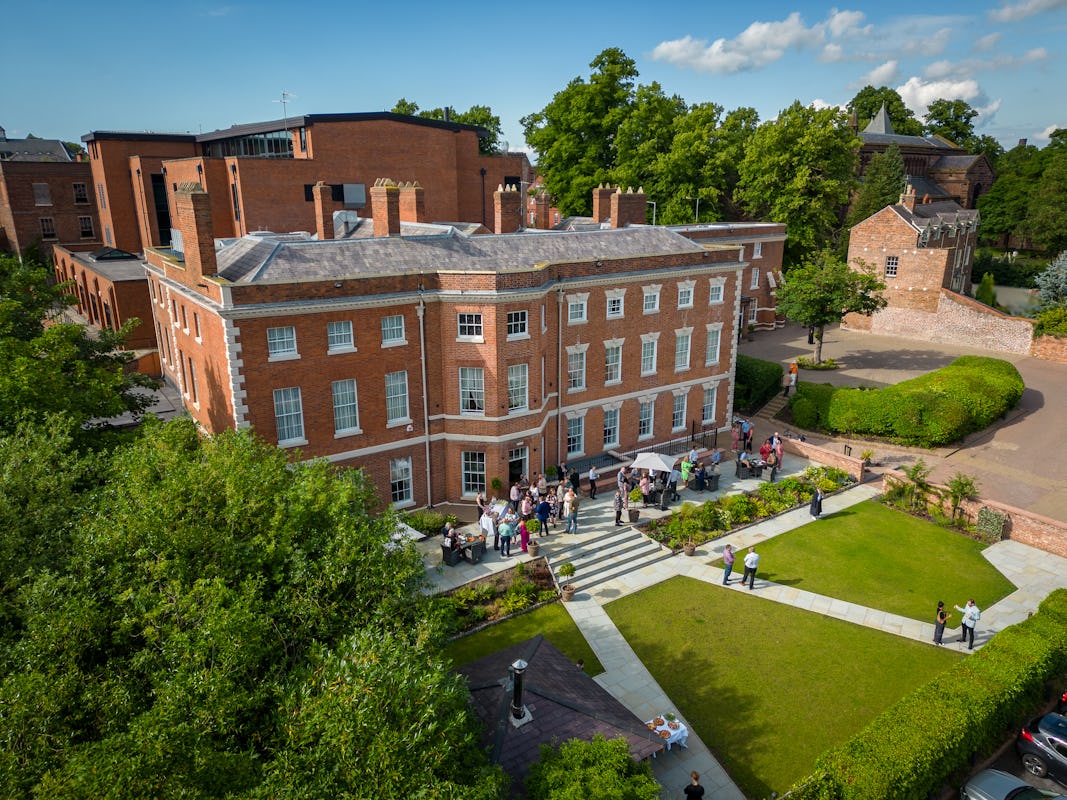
(914, 747)
(756, 382)
(932, 410)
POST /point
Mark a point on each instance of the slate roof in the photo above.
(51, 150)
(907, 141)
(251, 259)
(955, 162)
(925, 186)
(563, 701)
(938, 214)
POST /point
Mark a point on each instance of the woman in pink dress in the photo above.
(524, 535)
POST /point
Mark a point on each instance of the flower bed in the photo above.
(706, 521)
(498, 596)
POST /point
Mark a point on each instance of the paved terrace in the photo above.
(1036, 573)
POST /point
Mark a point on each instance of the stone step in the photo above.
(608, 556)
(650, 555)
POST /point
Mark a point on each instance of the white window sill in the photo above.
(521, 410)
(470, 339)
(648, 374)
(293, 443)
(575, 389)
(398, 422)
(644, 437)
(516, 337)
(284, 357)
(715, 302)
(336, 351)
(403, 504)
(685, 308)
(577, 454)
(682, 369)
(479, 413)
(347, 432)
(647, 312)
(615, 382)
(577, 321)
(615, 316)
(394, 343)
(676, 430)
(198, 340)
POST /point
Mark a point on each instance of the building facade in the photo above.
(45, 197)
(442, 362)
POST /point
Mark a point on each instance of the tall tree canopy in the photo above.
(823, 289)
(574, 135)
(869, 100)
(882, 183)
(225, 623)
(952, 119)
(481, 116)
(800, 169)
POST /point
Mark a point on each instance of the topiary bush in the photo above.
(756, 382)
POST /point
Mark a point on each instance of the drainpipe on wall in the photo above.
(559, 375)
(420, 310)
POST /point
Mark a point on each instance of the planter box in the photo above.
(634, 513)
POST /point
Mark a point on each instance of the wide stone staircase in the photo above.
(604, 556)
(769, 411)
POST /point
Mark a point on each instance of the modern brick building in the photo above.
(441, 361)
(45, 196)
(918, 249)
(260, 174)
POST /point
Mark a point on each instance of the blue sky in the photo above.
(190, 66)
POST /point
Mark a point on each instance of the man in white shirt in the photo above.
(751, 564)
(593, 475)
(971, 615)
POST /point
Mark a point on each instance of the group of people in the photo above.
(751, 562)
(971, 615)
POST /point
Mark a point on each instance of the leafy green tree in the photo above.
(951, 119)
(645, 137)
(882, 184)
(985, 292)
(598, 770)
(1052, 283)
(406, 107)
(482, 116)
(961, 487)
(1046, 223)
(800, 169)
(823, 289)
(988, 146)
(574, 135)
(208, 584)
(869, 100)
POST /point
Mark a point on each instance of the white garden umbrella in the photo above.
(654, 461)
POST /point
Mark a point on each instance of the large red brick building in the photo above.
(260, 174)
(45, 197)
(441, 361)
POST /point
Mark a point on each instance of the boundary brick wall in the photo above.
(813, 452)
(1050, 348)
(1025, 527)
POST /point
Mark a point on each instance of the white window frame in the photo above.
(196, 326)
(576, 368)
(686, 292)
(389, 327)
(518, 387)
(289, 405)
(753, 313)
(393, 382)
(615, 296)
(611, 425)
(613, 365)
(754, 279)
(650, 298)
(472, 390)
(339, 337)
(473, 472)
(649, 348)
(714, 345)
(469, 327)
(401, 483)
(683, 349)
(281, 346)
(678, 409)
(578, 308)
(757, 250)
(575, 433)
(520, 323)
(710, 399)
(892, 266)
(717, 291)
(646, 418)
(345, 396)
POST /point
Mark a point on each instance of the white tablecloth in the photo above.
(677, 736)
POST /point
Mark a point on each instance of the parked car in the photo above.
(992, 784)
(1042, 746)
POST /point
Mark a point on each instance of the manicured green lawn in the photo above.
(552, 621)
(878, 557)
(766, 686)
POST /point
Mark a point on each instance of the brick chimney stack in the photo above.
(629, 208)
(908, 198)
(385, 206)
(412, 202)
(507, 209)
(601, 203)
(192, 216)
(541, 211)
(325, 205)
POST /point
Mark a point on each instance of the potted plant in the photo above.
(689, 547)
(497, 486)
(635, 498)
(867, 456)
(533, 548)
(566, 570)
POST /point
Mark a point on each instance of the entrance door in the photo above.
(518, 464)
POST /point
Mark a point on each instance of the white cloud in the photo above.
(933, 44)
(883, 75)
(949, 70)
(1013, 12)
(917, 93)
(819, 104)
(1047, 132)
(846, 23)
(832, 53)
(986, 43)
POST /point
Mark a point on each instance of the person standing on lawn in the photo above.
(727, 564)
(751, 565)
(940, 618)
(694, 790)
(618, 502)
(971, 615)
(816, 504)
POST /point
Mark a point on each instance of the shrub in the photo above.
(805, 414)
(990, 525)
(425, 521)
(985, 292)
(820, 396)
(756, 382)
(1052, 322)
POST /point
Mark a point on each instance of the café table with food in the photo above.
(670, 730)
